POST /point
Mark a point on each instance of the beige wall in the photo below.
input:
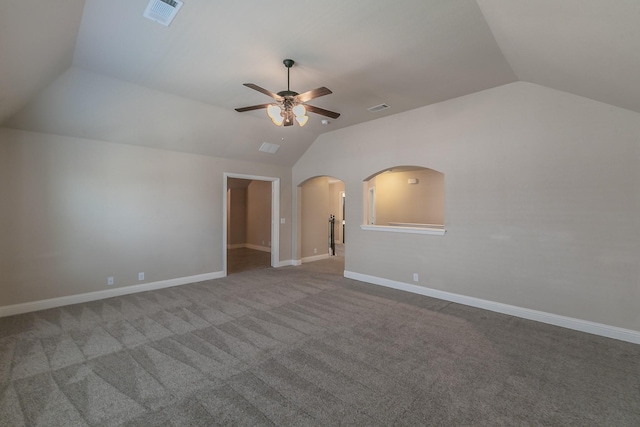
(237, 227)
(259, 213)
(398, 201)
(315, 217)
(5, 201)
(249, 213)
(541, 200)
(367, 188)
(77, 211)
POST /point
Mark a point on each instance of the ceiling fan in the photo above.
(290, 105)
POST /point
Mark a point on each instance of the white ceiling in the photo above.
(97, 69)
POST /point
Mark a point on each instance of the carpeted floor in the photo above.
(301, 346)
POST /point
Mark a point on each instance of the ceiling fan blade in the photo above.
(251, 108)
(263, 90)
(312, 94)
(322, 111)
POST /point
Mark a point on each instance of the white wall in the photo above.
(542, 200)
(75, 211)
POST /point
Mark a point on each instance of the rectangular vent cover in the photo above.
(162, 11)
(377, 108)
(267, 147)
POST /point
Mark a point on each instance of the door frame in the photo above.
(275, 215)
(342, 204)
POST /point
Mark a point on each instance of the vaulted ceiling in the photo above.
(98, 69)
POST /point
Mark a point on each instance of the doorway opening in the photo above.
(322, 219)
(251, 207)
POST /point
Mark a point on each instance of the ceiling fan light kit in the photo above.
(290, 106)
(275, 114)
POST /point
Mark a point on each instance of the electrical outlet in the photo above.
(415, 277)
(315, 250)
(109, 281)
(141, 276)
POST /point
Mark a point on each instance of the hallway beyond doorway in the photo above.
(244, 259)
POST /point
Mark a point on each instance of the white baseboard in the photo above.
(608, 331)
(287, 263)
(315, 258)
(249, 246)
(10, 310)
(257, 247)
(296, 262)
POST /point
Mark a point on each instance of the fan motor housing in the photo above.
(287, 93)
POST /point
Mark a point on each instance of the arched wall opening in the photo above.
(404, 196)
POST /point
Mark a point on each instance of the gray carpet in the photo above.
(304, 346)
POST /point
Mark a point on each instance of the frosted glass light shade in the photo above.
(302, 120)
(275, 114)
(299, 110)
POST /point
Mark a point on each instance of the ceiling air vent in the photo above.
(267, 147)
(162, 11)
(377, 108)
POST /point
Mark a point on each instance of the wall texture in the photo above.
(541, 200)
(76, 211)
